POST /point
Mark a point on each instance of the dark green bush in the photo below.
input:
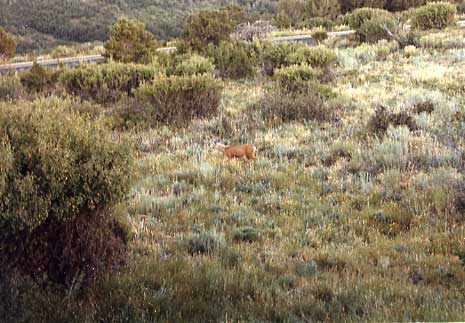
(295, 77)
(275, 55)
(285, 54)
(360, 16)
(382, 119)
(107, 83)
(279, 106)
(319, 35)
(60, 174)
(130, 42)
(235, 60)
(179, 98)
(39, 78)
(377, 28)
(194, 64)
(434, 15)
(315, 22)
(316, 56)
(207, 27)
(11, 87)
(205, 243)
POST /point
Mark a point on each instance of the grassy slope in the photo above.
(370, 237)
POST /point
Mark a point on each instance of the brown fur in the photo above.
(242, 151)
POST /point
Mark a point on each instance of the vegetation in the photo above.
(130, 42)
(353, 210)
(7, 45)
(434, 15)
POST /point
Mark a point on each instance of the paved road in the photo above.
(73, 61)
(70, 61)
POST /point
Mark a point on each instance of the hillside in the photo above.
(42, 24)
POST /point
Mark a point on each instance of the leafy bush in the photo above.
(319, 35)
(275, 55)
(106, 83)
(179, 98)
(307, 104)
(7, 45)
(295, 77)
(323, 8)
(60, 174)
(205, 243)
(234, 60)
(207, 27)
(316, 22)
(130, 42)
(39, 78)
(316, 56)
(11, 87)
(382, 119)
(360, 16)
(195, 64)
(377, 28)
(434, 15)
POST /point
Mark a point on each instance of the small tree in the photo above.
(7, 45)
(130, 42)
(207, 27)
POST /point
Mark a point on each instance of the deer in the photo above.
(242, 151)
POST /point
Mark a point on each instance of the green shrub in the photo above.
(179, 98)
(205, 243)
(316, 56)
(307, 104)
(323, 8)
(195, 64)
(316, 22)
(7, 45)
(434, 15)
(282, 20)
(106, 83)
(130, 42)
(207, 27)
(39, 78)
(11, 87)
(377, 28)
(235, 60)
(295, 77)
(274, 55)
(60, 175)
(319, 35)
(360, 16)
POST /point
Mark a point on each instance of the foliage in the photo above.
(194, 64)
(319, 35)
(305, 103)
(377, 28)
(130, 42)
(434, 15)
(316, 56)
(7, 45)
(180, 98)
(235, 60)
(207, 27)
(108, 82)
(275, 55)
(360, 16)
(317, 22)
(39, 78)
(323, 8)
(60, 175)
(295, 77)
(11, 87)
